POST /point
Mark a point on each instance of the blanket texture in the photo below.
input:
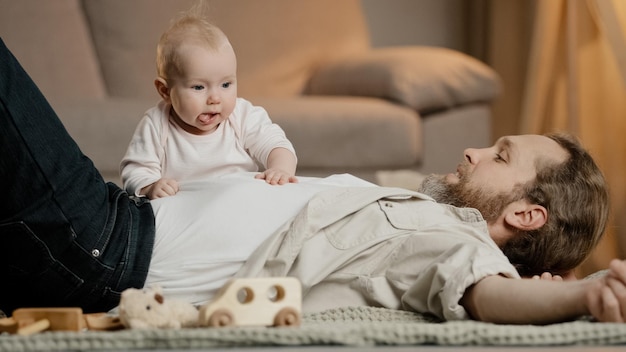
(357, 326)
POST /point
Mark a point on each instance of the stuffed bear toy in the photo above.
(147, 308)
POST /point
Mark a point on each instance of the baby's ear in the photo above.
(162, 88)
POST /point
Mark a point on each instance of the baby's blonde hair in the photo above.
(190, 26)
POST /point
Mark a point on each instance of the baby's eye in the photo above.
(499, 158)
(226, 84)
(197, 87)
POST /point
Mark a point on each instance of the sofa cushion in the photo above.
(51, 40)
(348, 132)
(125, 35)
(103, 129)
(280, 42)
(424, 78)
(275, 60)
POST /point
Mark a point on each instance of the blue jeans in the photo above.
(67, 238)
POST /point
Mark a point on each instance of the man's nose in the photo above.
(471, 155)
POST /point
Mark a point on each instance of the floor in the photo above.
(420, 349)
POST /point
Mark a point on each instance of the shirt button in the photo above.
(389, 205)
(95, 253)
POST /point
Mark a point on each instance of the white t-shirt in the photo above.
(207, 230)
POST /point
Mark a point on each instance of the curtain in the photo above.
(569, 75)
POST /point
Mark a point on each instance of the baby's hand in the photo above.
(276, 177)
(162, 188)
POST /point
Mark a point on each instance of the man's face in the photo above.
(488, 179)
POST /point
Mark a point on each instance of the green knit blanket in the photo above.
(357, 326)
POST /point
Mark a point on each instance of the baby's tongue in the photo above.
(204, 118)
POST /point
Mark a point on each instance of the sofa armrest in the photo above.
(423, 78)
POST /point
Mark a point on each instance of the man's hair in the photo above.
(192, 27)
(576, 197)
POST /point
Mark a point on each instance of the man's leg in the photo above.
(66, 237)
(40, 162)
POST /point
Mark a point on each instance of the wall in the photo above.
(495, 32)
(420, 22)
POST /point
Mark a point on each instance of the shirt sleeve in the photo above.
(141, 166)
(439, 288)
(258, 134)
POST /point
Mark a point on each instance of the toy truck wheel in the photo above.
(287, 317)
(221, 318)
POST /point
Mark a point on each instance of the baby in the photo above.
(200, 127)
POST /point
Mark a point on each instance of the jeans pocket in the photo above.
(28, 265)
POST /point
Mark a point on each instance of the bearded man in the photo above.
(431, 253)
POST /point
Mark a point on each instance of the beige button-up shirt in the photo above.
(383, 247)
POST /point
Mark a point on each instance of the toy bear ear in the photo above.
(158, 297)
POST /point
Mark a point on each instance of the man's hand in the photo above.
(162, 188)
(606, 299)
(276, 177)
(548, 276)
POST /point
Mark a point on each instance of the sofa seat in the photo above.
(336, 132)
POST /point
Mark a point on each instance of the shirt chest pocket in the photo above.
(371, 225)
(403, 214)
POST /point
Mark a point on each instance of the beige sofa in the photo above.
(346, 106)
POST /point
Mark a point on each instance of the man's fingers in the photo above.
(548, 276)
(618, 290)
(610, 307)
(617, 270)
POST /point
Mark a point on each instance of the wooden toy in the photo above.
(26, 321)
(64, 319)
(102, 321)
(271, 301)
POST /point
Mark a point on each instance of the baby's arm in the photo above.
(164, 187)
(281, 167)
(141, 164)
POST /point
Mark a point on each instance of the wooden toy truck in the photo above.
(272, 301)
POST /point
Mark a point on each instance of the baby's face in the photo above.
(204, 95)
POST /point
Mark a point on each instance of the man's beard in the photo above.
(462, 194)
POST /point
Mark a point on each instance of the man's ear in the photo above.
(526, 216)
(162, 88)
